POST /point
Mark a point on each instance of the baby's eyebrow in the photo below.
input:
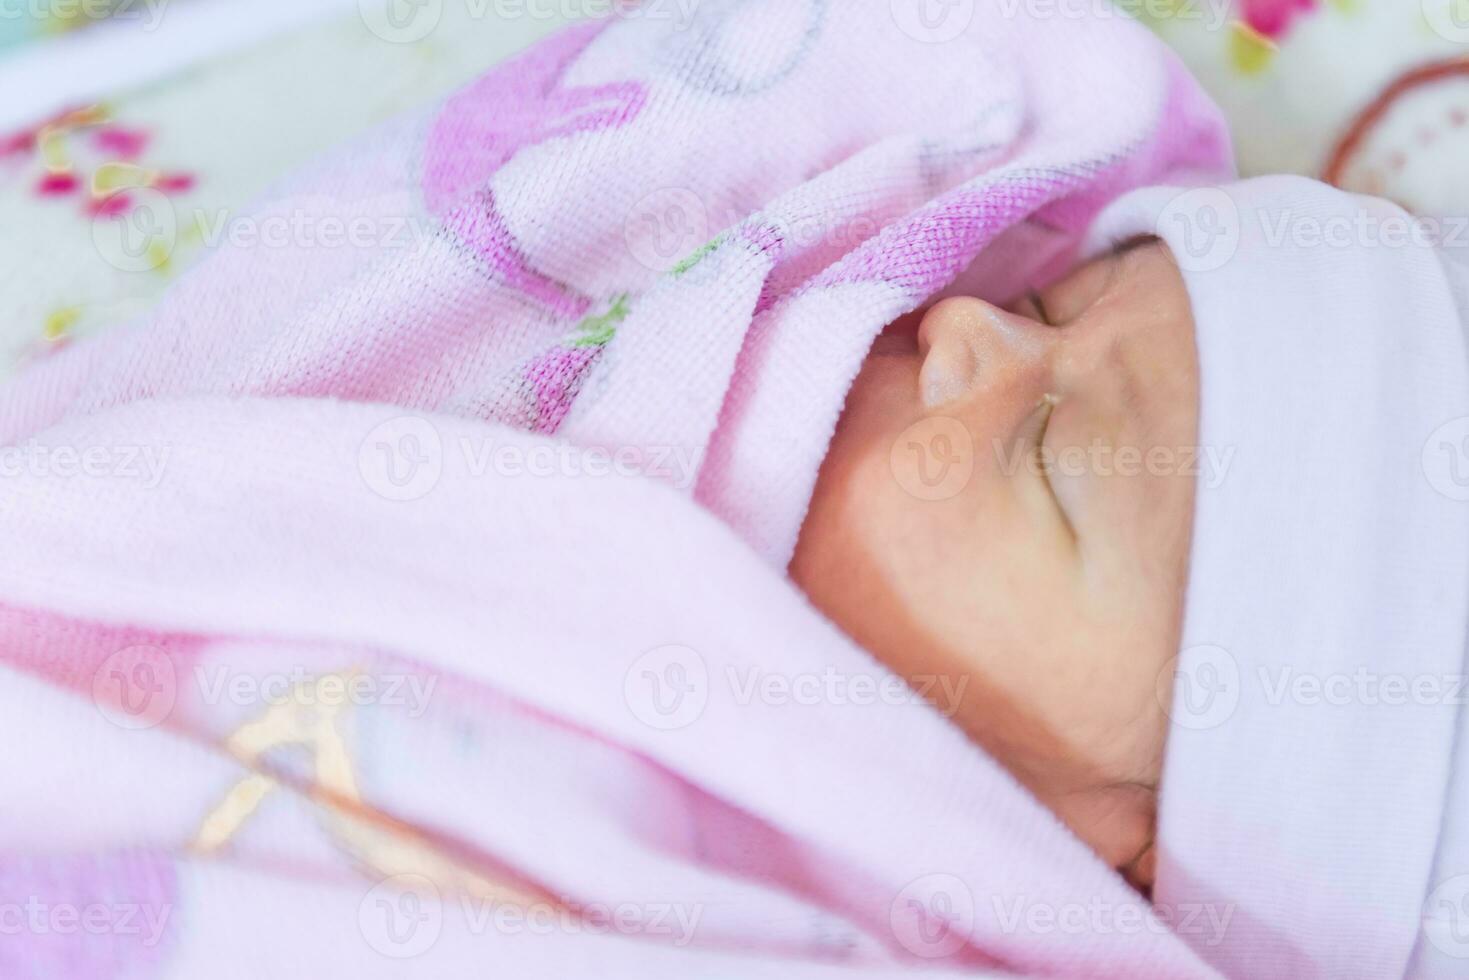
(1120, 252)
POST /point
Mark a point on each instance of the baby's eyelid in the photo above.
(1058, 304)
(1061, 308)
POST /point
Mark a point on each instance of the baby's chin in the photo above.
(1118, 822)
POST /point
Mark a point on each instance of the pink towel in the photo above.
(345, 632)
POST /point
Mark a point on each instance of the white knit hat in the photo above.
(1315, 698)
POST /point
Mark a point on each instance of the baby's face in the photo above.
(1008, 500)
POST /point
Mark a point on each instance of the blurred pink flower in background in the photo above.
(1274, 17)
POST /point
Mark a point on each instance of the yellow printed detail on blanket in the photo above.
(1250, 50)
(59, 321)
(381, 844)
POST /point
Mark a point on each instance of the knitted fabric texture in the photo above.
(413, 565)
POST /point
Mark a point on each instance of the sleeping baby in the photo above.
(1166, 479)
(1075, 582)
(1247, 446)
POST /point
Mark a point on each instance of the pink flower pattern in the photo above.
(1274, 18)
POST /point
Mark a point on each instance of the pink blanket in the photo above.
(407, 597)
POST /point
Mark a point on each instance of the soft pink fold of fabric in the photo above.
(521, 467)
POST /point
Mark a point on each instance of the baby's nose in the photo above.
(970, 347)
